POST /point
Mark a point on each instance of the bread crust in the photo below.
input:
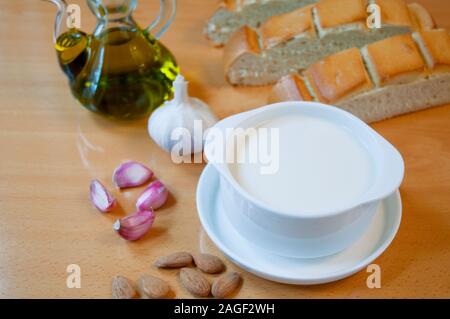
(395, 59)
(332, 13)
(290, 88)
(284, 27)
(390, 98)
(244, 41)
(327, 18)
(235, 5)
(437, 48)
(394, 12)
(421, 18)
(338, 76)
(231, 5)
(238, 5)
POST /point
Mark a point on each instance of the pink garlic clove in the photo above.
(101, 197)
(153, 197)
(131, 174)
(133, 227)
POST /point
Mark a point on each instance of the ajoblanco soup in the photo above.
(321, 167)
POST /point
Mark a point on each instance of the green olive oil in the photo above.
(122, 73)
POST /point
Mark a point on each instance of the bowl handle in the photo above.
(390, 176)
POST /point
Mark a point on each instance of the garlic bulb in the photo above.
(181, 120)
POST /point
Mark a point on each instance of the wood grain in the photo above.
(51, 148)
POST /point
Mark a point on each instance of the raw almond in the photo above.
(195, 282)
(151, 287)
(209, 264)
(122, 288)
(175, 260)
(225, 284)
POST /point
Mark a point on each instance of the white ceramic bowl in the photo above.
(304, 235)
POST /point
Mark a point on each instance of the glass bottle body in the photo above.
(121, 70)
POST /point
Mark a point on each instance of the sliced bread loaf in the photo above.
(233, 14)
(293, 41)
(394, 76)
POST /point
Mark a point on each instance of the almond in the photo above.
(175, 260)
(122, 288)
(209, 264)
(195, 282)
(226, 284)
(151, 287)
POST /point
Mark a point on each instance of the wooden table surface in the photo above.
(51, 148)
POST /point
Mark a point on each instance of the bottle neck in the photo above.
(124, 23)
(112, 10)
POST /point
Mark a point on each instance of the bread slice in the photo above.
(394, 60)
(293, 41)
(234, 14)
(290, 88)
(244, 42)
(395, 12)
(338, 76)
(435, 47)
(282, 28)
(396, 81)
(421, 17)
(332, 16)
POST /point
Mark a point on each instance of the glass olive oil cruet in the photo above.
(121, 70)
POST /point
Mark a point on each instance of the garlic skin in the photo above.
(135, 226)
(181, 112)
(100, 197)
(153, 197)
(131, 174)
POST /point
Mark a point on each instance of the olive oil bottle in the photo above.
(120, 71)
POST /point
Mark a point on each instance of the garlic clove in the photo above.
(133, 227)
(131, 174)
(100, 197)
(153, 197)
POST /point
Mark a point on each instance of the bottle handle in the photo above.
(61, 6)
(167, 11)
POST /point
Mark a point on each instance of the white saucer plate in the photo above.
(273, 267)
